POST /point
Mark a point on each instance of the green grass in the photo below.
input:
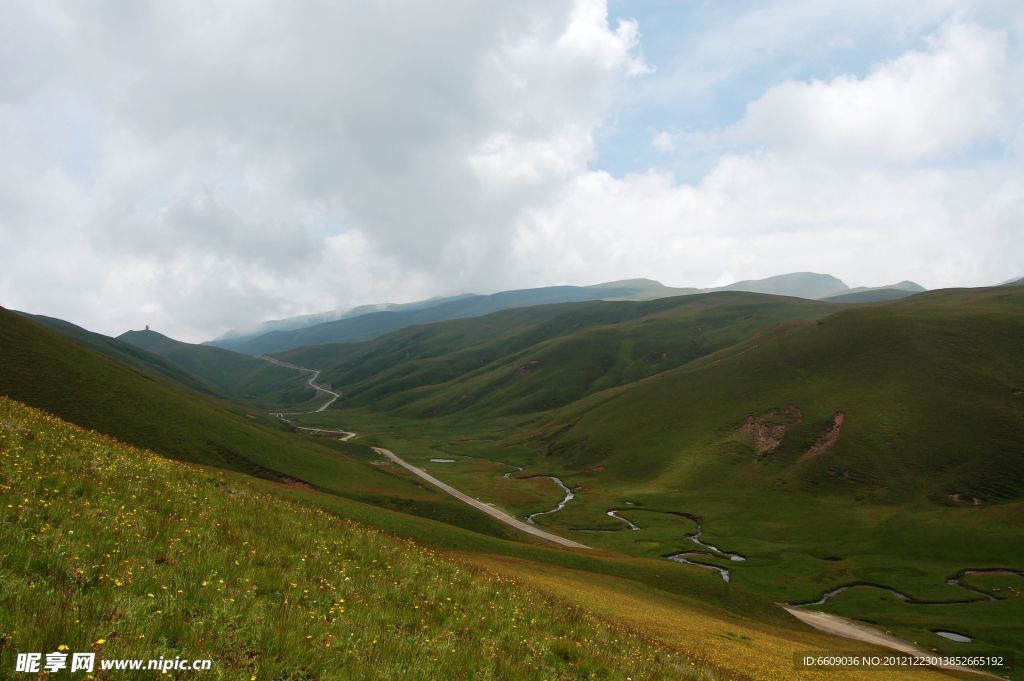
(931, 388)
(48, 370)
(534, 359)
(111, 549)
(370, 324)
(125, 353)
(240, 377)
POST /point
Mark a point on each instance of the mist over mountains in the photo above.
(367, 322)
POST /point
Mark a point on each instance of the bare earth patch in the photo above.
(827, 440)
(767, 430)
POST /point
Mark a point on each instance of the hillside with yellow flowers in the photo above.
(117, 551)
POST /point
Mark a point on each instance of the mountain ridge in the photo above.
(371, 321)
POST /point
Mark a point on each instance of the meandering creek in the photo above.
(708, 550)
(614, 514)
(955, 580)
(569, 496)
(515, 469)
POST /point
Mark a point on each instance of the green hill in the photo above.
(799, 284)
(126, 353)
(930, 387)
(116, 551)
(372, 321)
(858, 449)
(46, 369)
(534, 359)
(234, 375)
(879, 295)
(368, 326)
(851, 448)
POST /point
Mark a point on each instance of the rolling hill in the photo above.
(840, 454)
(930, 391)
(877, 294)
(373, 324)
(534, 359)
(371, 321)
(799, 284)
(234, 375)
(212, 567)
(126, 353)
(46, 369)
(829, 445)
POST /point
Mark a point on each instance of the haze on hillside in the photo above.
(208, 167)
(370, 321)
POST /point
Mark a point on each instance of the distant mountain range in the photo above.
(372, 321)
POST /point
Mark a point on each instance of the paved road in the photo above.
(476, 503)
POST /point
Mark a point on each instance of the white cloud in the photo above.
(210, 162)
(918, 106)
(664, 141)
(198, 167)
(862, 177)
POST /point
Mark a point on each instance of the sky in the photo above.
(202, 166)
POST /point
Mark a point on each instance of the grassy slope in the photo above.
(871, 296)
(931, 388)
(528, 360)
(730, 522)
(238, 376)
(168, 560)
(45, 369)
(121, 552)
(129, 354)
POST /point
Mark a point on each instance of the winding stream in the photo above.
(614, 514)
(706, 550)
(955, 580)
(515, 469)
(569, 496)
(709, 550)
(695, 538)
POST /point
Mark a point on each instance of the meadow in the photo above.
(116, 550)
(930, 452)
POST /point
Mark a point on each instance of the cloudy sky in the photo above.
(199, 166)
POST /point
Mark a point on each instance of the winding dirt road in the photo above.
(311, 383)
(348, 435)
(496, 513)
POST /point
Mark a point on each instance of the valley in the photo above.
(789, 555)
(757, 465)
